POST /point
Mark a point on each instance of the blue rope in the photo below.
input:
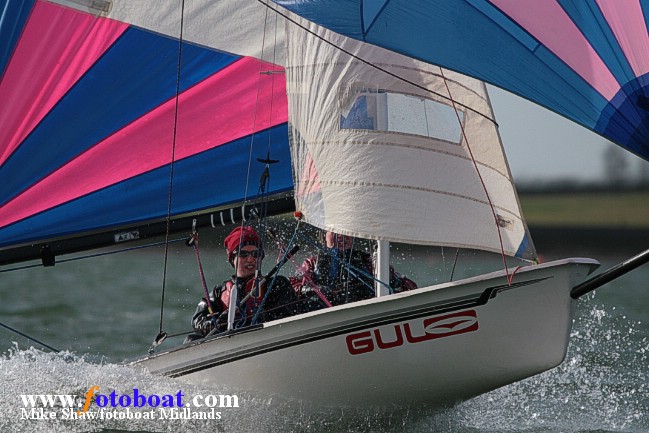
(272, 282)
(324, 250)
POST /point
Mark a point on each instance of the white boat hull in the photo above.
(435, 346)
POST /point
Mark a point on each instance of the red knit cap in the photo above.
(240, 237)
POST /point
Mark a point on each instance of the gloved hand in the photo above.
(208, 325)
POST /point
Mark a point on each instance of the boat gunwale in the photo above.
(359, 323)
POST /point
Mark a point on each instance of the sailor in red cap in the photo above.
(243, 242)
(245, 253)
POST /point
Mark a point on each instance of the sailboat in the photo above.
(140, 119)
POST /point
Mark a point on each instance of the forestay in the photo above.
(382, 150)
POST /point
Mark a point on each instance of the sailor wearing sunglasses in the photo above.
(245, 253)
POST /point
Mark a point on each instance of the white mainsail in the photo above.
(378, 150)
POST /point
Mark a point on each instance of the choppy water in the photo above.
(104, 310)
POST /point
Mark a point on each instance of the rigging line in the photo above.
(194, 242)
(272, 88)
(356, 271)
(180, 334)
(89, 256)
(261, 191)
(264, 186)
(349, 263)
(269, 286)
(254, 121)
(484, 186)
(309, 280)
(28, 337)
(171, 168)
(444, 260)
(457, 253)
(379, 68)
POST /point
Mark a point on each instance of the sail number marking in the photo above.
(127, 236)
(428, 329)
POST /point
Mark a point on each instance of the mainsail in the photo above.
(387, 147)
(119, 114)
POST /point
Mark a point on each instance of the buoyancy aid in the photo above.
(252, 303)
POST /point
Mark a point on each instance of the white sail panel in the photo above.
(241, 27)
(379, 149)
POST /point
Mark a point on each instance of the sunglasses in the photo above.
(254, 253)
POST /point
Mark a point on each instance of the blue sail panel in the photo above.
(578, 59)
(88, 143)
(13, 16)
(144, 198)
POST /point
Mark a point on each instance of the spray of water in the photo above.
(601, 387)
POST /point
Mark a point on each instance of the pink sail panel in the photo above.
(40, 74)
(628, 24)
(548, 22)
(309, 181)
(208, 116)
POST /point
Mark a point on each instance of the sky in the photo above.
(543, 146)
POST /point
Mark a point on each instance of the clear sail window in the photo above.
(395, 112)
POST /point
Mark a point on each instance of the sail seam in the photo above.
(413, 188)
(382, 66)
(392, 143)
(411, 146)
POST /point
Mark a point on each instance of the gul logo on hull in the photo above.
(412, 332)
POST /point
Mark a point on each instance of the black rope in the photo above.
(457, 253)
(29, 338)
(90, 256)
(171, 169)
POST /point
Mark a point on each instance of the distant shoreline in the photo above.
(563, 241)
(603, 209)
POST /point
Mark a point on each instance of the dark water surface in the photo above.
(103, 310)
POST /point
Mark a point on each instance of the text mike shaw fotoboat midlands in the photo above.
(95, 405)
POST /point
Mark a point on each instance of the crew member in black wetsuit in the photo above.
(245, 253)
(342, 274)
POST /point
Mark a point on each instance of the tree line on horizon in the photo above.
(621, 172)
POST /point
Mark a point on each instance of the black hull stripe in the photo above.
(448, 306)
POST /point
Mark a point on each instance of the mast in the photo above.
(382, 271)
